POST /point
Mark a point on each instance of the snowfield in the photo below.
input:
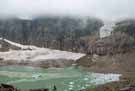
(33, 53)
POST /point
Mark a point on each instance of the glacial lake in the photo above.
(65, 79)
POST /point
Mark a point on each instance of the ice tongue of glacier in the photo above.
(36, 53)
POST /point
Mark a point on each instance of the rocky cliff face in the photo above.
(116, 43)
(62, 33)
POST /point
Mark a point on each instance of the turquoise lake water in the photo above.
(65, 79)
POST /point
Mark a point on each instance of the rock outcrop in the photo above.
(7, 87)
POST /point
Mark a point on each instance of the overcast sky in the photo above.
(105, 9)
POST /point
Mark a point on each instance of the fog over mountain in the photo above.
(105, 9)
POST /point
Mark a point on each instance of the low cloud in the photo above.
(106, 9)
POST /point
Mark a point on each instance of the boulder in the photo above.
(7, 86)
(40, 89)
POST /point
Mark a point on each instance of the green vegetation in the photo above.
(126, 26)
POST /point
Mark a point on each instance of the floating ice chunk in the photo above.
(71, 82)
(103, 78)
(70, 88)
(71, 85)
(86, 79)
(36, 76)
(86, 85)
(82, 88)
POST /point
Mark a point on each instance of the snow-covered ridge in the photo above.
(37, 53)
(19, 45)
(106, 29)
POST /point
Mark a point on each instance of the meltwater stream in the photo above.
(65, 79)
